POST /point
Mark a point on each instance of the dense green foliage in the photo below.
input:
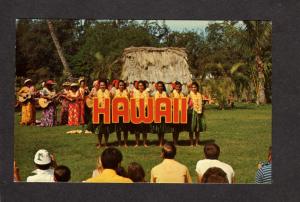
(224, 51)
(244, 135)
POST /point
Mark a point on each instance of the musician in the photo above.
(121, 127)
(49, 113)
(93, 93)
(64, 113)
(160, 127)
(177, 128)
(84, 91)
(74, 105)
(103, 93)
(141, 93)
(28, 108)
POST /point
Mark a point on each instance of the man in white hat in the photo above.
(44, 172)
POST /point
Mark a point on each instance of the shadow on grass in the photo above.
(188, 143)
(236, 106)
(131, 143)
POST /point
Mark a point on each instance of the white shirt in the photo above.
(42, 176)
(205, 164)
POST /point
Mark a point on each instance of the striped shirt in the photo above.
(264, 174)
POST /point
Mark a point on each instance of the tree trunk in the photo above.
(66, 71)
(261, 97)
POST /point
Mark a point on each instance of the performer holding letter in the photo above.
(141, 93)
(177, 127)
(160, 127)
(121, 92)
(102, 94)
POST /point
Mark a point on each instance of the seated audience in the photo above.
(136, 172)
(170, 171)
(264, 172)
(122, 171)
(212, 152)
(17, 177)
(44, 163)
(111, 159)
(62, 174)
(99, 168)
(214, 175)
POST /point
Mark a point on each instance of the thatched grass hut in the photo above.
(154, 64)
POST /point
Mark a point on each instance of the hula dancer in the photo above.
(49, 113)
(84, 91)
(28, 108)
(64, 113)
(195, 114)
(160, 127)
(121, 92)
(141, 93)
(93, 93)
(102, 94)
(177, 128)
(74, 105)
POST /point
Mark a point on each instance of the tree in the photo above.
(66, 71)
(257, 38)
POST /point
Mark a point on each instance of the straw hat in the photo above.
(27, 80)
(66, 83)
(81, 79)
(74, 84)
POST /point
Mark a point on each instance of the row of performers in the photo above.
(76, 109)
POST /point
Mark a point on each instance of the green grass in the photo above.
(243, 134)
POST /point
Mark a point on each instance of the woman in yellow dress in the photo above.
(28, 108)
(121, 92)
(141, 93)
(103, 129)
(177, 128)
(195, 114)
(160, 127)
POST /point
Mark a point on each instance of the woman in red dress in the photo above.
(74, 105)
(83, 91)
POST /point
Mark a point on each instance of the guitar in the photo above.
(43, 102)
(23, 97)
(89, 101)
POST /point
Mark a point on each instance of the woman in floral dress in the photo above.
(49, 113)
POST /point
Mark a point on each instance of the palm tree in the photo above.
(67, 71)
(224, 84)
(257, 37)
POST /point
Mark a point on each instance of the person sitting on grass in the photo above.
(17, 177)
(62, 174)
(214, 175)
(45, 164)
(212, 152)
(264, 172)
(111, 159)
(170, 171)
(98, 169)
(136, 172)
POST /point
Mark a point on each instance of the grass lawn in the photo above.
(243, 134)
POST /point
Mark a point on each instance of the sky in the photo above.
(190, 25)
(181, 25)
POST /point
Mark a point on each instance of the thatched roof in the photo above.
(153, 64)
